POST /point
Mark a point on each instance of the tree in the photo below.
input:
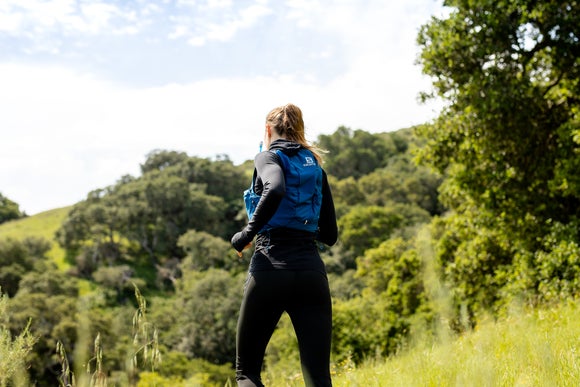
(205, 251)
(47, 302)
(402, 181)
(17, 257)
(345, 192)
(9, 210)
(510, 73)
(365, 327)
(13, 349)
(144, 217)
(377, 321)
(118, 282)
(200, 320)
(508, 138)
(394, 271)
(158, 160)
(365, 227)
(355, 153)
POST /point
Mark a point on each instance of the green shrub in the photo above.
(13, 350)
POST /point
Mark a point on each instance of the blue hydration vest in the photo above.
(300, 207)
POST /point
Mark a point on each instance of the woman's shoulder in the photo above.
(266, 157)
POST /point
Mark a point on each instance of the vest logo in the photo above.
(309, 161)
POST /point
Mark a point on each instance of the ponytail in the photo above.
(288, 123)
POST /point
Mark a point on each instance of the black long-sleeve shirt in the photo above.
(284, 248)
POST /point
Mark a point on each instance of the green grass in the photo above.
(529, 348)
(43, 225)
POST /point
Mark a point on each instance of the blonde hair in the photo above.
(288, 123)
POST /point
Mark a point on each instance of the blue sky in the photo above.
(89, 88)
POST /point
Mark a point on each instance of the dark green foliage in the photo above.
(159, 160)
(365, 227)
(200, 320)
(9, 210)
(476, 259)
(205, 251)
(141, 219)
(507, 127)
(48, 301)
(18, 258)
(118, 282)
(394, 271)
(377, 321)
(218, 177)
(402, 181)
(553, 271)
(364, 328)
(344, 285)
(508, 144)
(354, 154)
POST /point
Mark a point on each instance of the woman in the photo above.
(294, 210)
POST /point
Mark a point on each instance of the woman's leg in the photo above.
(311, 315)
(259, 314)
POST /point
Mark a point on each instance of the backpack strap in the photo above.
(283, 158)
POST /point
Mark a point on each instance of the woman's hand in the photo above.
(241, 253)
(241, 242)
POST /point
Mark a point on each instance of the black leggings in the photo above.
(305, 296)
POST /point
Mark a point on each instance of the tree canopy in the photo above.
(9, 210)
(508, 140)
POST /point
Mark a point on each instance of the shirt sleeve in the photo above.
(327, 226)
(271, 182)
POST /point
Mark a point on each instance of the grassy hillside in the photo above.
(43, 225)
(533, 348)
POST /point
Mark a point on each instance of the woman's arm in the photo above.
(327, 227)
(273, 185)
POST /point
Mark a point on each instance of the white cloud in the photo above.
(36, 19)
(39, 15)
(97, 17)
(179, 31)
(219, 3)
(9, 22)
(65, 133)
(246, 18)
(215, 20)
